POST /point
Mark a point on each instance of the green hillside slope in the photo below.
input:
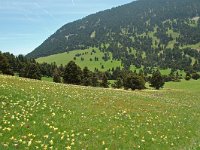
(43, 115)
(170, 21)
(83, 58)
(144, 33)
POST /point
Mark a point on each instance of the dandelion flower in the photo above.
(29, 143)
(51, 142)
(68, 147)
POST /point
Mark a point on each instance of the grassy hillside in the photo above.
(87, 55)
(123, 24)
(195, 46)
(44, 115)
(64, 58)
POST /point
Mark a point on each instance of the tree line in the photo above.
(73, 74)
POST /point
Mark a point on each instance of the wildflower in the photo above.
(46, 136)
(5, 145)
(68, 147)
(149, 132)
(55, 129)
(53, 114)
(62, 137)
(51, 142)
(29, 143)
(9, 129)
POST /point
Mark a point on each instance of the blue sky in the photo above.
(25, 24)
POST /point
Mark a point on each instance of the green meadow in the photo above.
(45, 115)
(87, 55)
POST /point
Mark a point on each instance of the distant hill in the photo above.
(141, 33)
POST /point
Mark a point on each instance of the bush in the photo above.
(4, 66)
(133, 82)
(8, 72)
(31, 71)
(56, 76)
(105, 82)
(118, 84)
(157, 81)
(195, 76)
(187, 76)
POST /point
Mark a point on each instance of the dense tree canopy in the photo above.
(144, 33)
(4, 65)
(72, 73)
(157, 81)
(133, 81)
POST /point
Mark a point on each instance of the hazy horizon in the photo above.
(26, 24)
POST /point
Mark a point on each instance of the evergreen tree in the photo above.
(22, 72)
(61, 68)
(4, 65)
(187, 76)
(86, 77)
(104, 82)
(195, 76)
(31, 71)
(56, 76)
(157, 80)
(118, 84)
(95, 81)
(133, 81)
(72, 73)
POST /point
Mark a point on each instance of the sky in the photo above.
(25, 24)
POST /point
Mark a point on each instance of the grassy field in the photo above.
(64, 58)
(45, 115)
(195, 46)
(174, 36)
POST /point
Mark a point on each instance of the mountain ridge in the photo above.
(144, 26)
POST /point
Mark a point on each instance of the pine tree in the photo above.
(72, 73)
(187, 76)
(61, 68)
(104, 82)
(31, 71)
(133, 81)
(4, 65)
(195, 76)
(56, 76)
(86, 77)
(118, 84)
(95, 81)
(157, 81)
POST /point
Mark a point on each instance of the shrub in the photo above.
(157, 81)
(195, 76)
(133, 82)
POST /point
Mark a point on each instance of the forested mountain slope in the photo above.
(141, 33)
